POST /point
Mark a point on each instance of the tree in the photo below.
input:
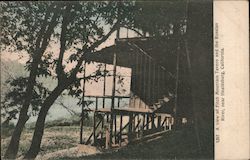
(81, 28)
(29, 27)
(15, 96)
(26, 28)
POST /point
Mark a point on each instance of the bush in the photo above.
(6, 130)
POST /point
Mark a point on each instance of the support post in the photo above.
(102, 125)
(153, 120)
(176, 84)
(104, 86)
(96, 103)
(130, 126)
(94, 129)
(118, 102)
(120, 136)
(115, 128)
(137, 127)
(147, 126)
(133, 80)
(141, 78)
(143, 121)
(103, 99)
(153, 83)
(113, 99)
(145, 81)
(149, 82)
(107, 118)
(83, 104)
(133, 122)
(136, 78)
(159, 122)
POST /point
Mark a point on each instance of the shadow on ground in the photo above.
(180, 144)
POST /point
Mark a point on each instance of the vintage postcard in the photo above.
(124, 79)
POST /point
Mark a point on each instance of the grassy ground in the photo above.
(172, 145)
(54, 139)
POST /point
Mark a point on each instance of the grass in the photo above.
(54, 138)
(173, 145)
(180, 144)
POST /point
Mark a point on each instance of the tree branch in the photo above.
(44, 24)
(49, 30)
(72, 112)
(133, 29)
(65, 22)
(91, 48)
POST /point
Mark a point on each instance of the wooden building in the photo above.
(154, 63)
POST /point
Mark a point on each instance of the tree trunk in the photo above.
(39, 128)
(12, 149)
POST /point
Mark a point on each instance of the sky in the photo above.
(92, 88)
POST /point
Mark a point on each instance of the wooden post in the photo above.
(153, 84)
(94, 128)
(113, 98)
(147, 126)
(107, 118)
(149, 82)
(83, 104)
(130, 126)
(103, 99)
(118, 102)
(141, 79)
(133, 124)
(137, 128)
(167, 127)
(120, 136)
(176, 83)
(102, 126)
(96, 103)
(159, 122)
(115, 128)
(107, 138)
(153, 120)
(145, 81)
(133, 80)
(170, 124)
(137, 85)
(164, 123)
(143, 121)
(104, 86)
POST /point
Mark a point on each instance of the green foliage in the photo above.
(6, 130)
(14, 98)
(158, 18)
(31, 28)
(20, 23)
